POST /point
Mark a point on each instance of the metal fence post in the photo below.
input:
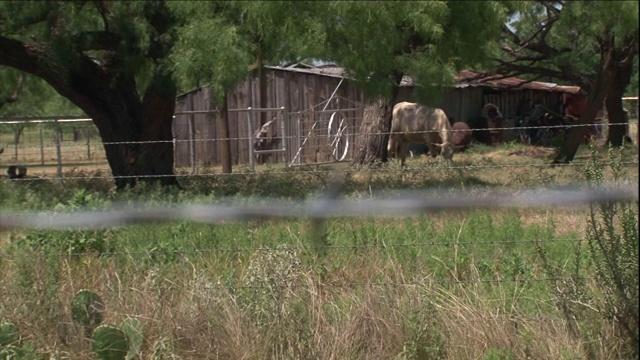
(58, 140)
(88, 134)
(250, 130)
(41, 145)
(284, 137)
(298, 136)
(192, 144)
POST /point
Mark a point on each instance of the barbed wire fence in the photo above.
(402, 203)
(90, 151)
(326, 206)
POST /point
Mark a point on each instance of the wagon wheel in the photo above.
(338, 137)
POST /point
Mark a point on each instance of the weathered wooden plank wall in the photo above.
(304, 95)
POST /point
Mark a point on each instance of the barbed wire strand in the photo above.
(325, 134)
(399, 203)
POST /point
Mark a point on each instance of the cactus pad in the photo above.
(109, 343)
(87, 308)
(133, 328)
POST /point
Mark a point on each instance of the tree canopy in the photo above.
(380, 42)
(592, 44)
(122, 63)
(428, 40)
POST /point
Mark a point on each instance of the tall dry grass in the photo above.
(277, 306)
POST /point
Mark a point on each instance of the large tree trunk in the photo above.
(575, 136)
(621, 77)
(597, 94)
(223, 128)
(136, 133)
(374, 132)
(137, 136)
(372, 143)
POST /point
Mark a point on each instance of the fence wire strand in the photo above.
(397, 204)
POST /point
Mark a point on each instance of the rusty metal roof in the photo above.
(468, 78)
(465, 78)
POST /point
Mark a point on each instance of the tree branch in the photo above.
(18, 55)
(97, 40)
(16, 93)
(511, 69)
(102, 9)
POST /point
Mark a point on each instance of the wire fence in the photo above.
(75, 143)
(398, 204)
(320, 210)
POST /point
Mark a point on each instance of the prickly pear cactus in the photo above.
(9, 334)
(133, 328)
(109, 343)
(86, 309)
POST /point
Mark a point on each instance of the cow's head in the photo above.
(447, 150)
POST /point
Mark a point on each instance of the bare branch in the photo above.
(515, 69)
(102, 9)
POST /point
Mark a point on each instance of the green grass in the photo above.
(464, 284)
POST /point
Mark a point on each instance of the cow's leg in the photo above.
(433, 149)
(392, 148)
(403, 150)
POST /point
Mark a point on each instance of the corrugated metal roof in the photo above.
(463, 79)
(467, 78)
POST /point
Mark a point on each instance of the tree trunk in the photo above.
(575, 136)
(597, 94)
(374, 130)
(137, 136)
(136, 133)
(223, 123)
(620, 78)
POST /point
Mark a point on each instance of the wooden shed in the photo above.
(322, 112)
(310, 97)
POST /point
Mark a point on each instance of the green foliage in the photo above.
(498, 354)
(9, 334)
(612, 254)
(571, 52)
(11, 348)
(72, 242)
(34, 97)
(429, 41)
(109, 343)
(247, 35)
(12, 352)
(425, 338)
(612, 236)
(87, 309)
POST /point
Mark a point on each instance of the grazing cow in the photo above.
(414, 123)
(460, 135)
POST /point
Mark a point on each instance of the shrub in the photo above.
(612, 256)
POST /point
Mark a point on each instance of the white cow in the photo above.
(415, 123)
